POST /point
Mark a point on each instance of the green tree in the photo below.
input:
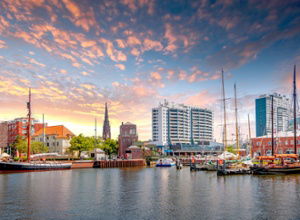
(36, 147)
(110, 146)
(81, 143)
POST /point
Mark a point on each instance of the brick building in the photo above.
(128, 135)
(282, 145)
(3, 136)
(18, 127)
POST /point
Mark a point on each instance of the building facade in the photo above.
(262, 146)
(282, 114)
(10, 130)
(180, 124)
(128, 135)
(3, 136)
(57, 138)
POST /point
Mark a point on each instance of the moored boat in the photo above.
(19, 166)
(165, 162)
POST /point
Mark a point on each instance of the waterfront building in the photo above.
(10, 130)
(128, 135)
(174, 124)
(106, 125)
(282, 114)
(57, 138)
(284, 144)
(3, 136)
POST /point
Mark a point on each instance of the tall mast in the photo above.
(295, 111)
(224, 111)
(44, 137)
(250, 135)
(272, 121)
(29, 125)
(95, 132)
(236, 121)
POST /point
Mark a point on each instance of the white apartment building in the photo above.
(180, 124)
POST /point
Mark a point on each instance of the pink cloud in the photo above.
(120, 66)
(156, 76)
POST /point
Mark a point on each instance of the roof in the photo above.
(59, 130)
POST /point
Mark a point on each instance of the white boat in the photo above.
(165, 162)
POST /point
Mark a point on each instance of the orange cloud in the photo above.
(120, 66)
(156, 76)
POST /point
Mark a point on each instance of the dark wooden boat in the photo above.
(33, 166)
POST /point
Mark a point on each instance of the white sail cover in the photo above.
(228, 156)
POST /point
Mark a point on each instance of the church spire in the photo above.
(106, 126)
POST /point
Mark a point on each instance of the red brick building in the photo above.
(127, 137)
(17, 127)
(3, 136)
(263, 145)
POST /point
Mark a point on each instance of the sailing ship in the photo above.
(31, 165)
(288, 163)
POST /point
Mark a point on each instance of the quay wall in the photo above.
(119, 163)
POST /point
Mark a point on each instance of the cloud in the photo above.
(120, 66)
(156, 76)
(2, 44)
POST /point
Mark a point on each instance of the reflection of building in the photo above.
(127, 137)
(106, 126)
(180, 124)
(57, 138)
(263, 145)
(263, 114)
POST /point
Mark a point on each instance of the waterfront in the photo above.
(147, 193)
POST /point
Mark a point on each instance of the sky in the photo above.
(134, 54)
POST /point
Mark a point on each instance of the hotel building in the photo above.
(282, 113)
(174, 124)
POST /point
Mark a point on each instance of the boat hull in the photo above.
(33, 166)
(274, 171)
(165, 165)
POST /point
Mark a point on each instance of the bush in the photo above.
(16, 158)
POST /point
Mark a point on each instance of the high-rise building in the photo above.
(281, 114)
(106, 126)
(128, 135)
(180, 124)
(3, 136)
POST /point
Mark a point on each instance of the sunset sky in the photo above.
(77, 55)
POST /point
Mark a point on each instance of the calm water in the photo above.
(147, 193)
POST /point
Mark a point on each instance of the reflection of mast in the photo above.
(29, 125)
(224, 111)
(236, 121)
(295, 115)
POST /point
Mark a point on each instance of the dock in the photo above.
(119, 163)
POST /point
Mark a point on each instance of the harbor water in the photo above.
(147, 193)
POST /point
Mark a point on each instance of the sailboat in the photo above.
(285, 166)
(31, 165)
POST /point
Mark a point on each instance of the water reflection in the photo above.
(147, 193)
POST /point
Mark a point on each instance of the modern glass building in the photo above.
(282, 114)
(180, 124)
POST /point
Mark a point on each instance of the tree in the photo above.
(110, 146)
(81, 143)
(36, 147)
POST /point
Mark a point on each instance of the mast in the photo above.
(95, 132)
(295, 111)
(29, 125)
(272, 121)
(44, 138)
(236, 121)
(224, 111)
(250, 136)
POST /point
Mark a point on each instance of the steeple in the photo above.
(106, 126)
